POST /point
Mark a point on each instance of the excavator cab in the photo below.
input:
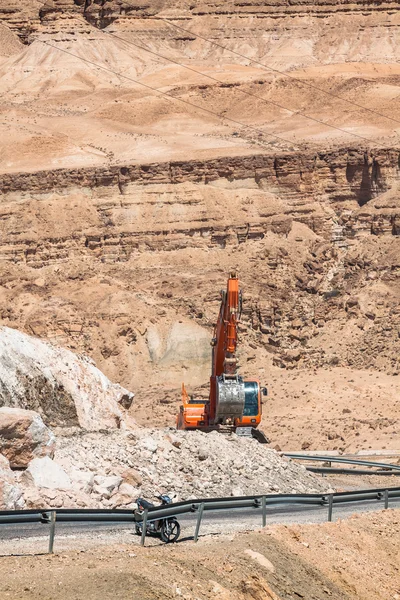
(252, 409)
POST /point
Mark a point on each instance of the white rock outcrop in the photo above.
(24, 436)
(65, 389)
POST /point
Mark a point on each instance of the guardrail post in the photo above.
(53, 516)
(386, 496)
(264, 511)
(199, 517)
(330, 507)
(144, 527)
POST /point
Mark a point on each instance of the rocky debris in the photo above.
(96, 470)
(45, 473)
(10, 494)
(64, 388)
(82, 480)
(114, 469)
(24, 436)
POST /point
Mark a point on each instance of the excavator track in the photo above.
(252, 432)
(245, 432)
(260, 436)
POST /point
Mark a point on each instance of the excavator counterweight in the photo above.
(234, 404)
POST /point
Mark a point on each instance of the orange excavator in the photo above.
(234, 404)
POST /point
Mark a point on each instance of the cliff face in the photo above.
(316, 190)
(103, 260)
(233, 20)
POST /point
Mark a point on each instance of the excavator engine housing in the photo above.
(230, 399)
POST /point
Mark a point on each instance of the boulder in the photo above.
(106, 486)
(10, 494)
(82, 480)
(24, 436)
(65, 389)
(45, 473)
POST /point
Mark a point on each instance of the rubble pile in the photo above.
(111, 470)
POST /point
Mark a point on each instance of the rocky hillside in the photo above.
(314, 239)
(275, 152)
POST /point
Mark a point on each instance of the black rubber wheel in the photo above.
(170, 530)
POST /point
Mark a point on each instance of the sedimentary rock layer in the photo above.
(351, 173)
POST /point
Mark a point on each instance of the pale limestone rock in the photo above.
(128, 490)
(32, 498)
(24, 436)
(10, 494)
(237, 491)
(45, 473)
(64, 388)
(82, 480)
(261, 559)
(149, 443)
(106, 486)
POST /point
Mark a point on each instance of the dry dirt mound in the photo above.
(356, 559)
(9, 42)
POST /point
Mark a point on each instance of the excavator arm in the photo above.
(224, 341)
(226, 388)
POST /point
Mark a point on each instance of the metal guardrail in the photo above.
(332, 471)
(193, 506)
(380, 468)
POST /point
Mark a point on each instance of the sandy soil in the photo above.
(58, 110)
(352, 559)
